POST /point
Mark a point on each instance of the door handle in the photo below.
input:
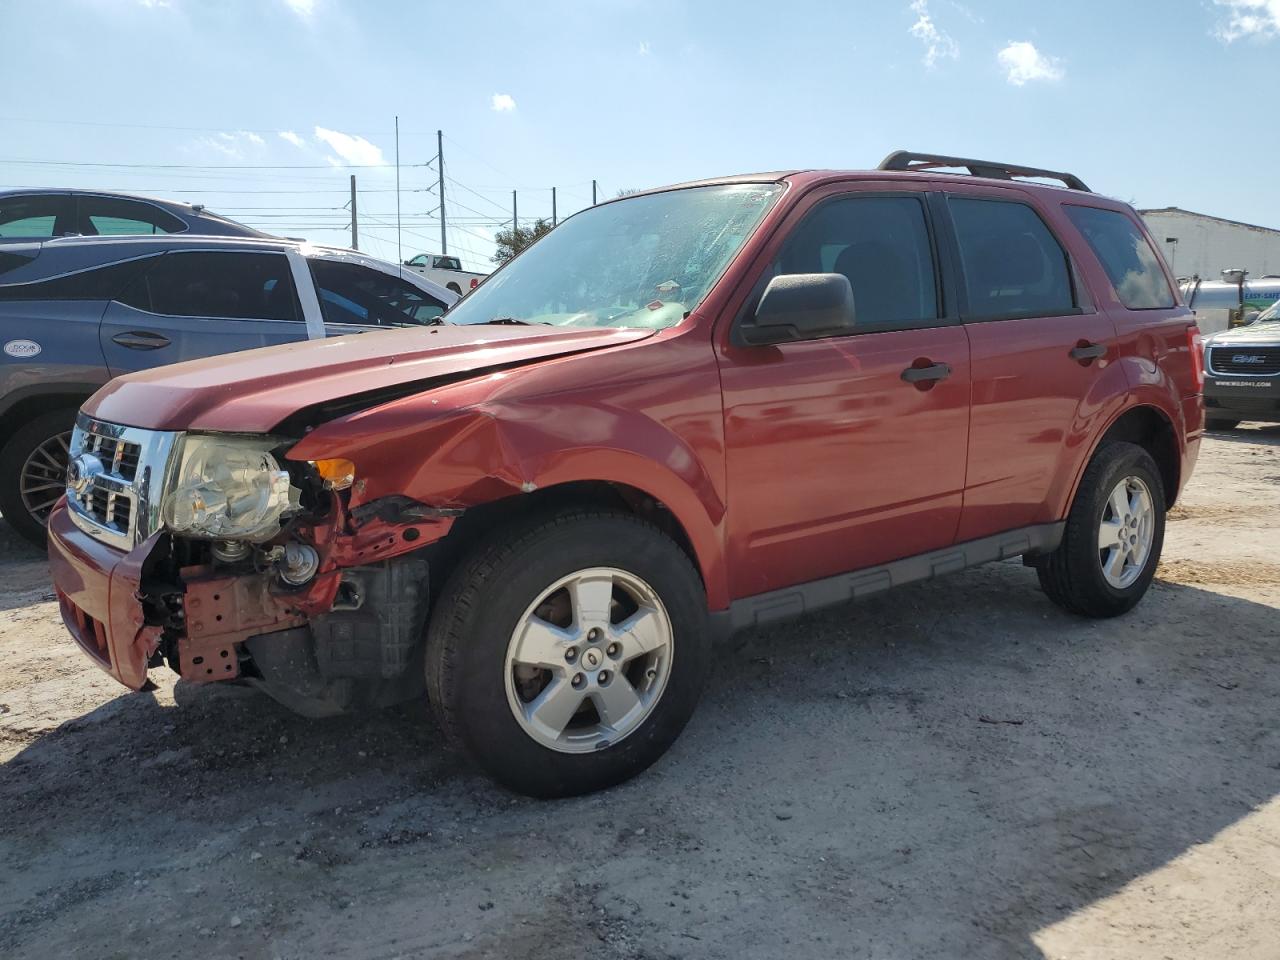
(141, 340)
(926, 374)
(1086, 351)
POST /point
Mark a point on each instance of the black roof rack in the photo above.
(906, 160)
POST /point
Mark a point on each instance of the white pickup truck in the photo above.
(446, 271)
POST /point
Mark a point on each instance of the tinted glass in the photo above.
(1131, 265)
(111, 216)
(100, 283)
(36, 216)
(351, 293)
(882, 245)
(448, 263)
(233, 286)
(1013, 266)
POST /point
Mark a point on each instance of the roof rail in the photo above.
(906, 160)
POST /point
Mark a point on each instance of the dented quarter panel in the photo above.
(650, 419)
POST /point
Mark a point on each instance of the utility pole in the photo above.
(515, 214)
(355, 230)
(593, 193)
(444, 238)
(399, 252)
(553, 206)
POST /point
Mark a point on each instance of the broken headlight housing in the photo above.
(228, 488)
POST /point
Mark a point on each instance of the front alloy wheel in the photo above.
(567, 654)
(588, 661)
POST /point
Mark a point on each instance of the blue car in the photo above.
(77, 311)
(41, 214)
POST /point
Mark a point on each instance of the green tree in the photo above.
(512, 241)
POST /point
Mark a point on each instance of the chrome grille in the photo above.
(115, 480)
(1245, 361)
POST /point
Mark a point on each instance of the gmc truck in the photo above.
(681, 413)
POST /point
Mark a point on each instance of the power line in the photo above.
(207, 166)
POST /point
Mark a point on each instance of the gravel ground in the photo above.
(958, 769)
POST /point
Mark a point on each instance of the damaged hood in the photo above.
(254, 391)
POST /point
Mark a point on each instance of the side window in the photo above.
(419, 261)
(882, 245)
(1013, 266)
(1131, 265)
(37, 216)
(96, 283)
(351, 293)
(223, 284)
(112, 216)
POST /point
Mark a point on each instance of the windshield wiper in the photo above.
(512, 322)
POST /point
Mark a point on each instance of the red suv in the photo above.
(681, 413)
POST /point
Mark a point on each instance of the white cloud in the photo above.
(644, 48)
(352, 149)
(503, 102)
(1023, 63)
(303, 8)
(937, 43)
(1259, 19)
(229, 144)
(153, 4)
(290, 137)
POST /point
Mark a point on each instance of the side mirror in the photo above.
(802, 306)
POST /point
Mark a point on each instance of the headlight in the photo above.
(228, 488)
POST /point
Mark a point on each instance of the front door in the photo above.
(198, 304)
(836, 460)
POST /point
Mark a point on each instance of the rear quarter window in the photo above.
(1130, 264)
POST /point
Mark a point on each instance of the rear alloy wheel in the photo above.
(1113, 537)
(566, 656)
(33, 472)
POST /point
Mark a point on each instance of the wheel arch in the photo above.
(1151, 428)
(21, 409)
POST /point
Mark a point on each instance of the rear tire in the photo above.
(524, 599)
(33, 470)
(1213, 423)
(1113, 537)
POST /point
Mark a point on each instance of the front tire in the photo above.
(567, 656)
(33, 472)
(1114, 535)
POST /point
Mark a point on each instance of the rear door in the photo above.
(199, 303)
(836, 460)
(1040, 351)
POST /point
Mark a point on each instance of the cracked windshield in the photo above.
(645, 261)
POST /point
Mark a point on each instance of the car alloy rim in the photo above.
(1127, 530)
(44, 475)
(589, 660)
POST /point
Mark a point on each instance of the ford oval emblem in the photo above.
(22, 349)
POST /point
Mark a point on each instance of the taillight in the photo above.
(1195, 344)
(474, 283)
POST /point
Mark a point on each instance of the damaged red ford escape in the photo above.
(681, 413)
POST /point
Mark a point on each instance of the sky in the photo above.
(262, 109)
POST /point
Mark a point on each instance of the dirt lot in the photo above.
(955, 770)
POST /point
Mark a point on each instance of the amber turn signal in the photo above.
(338, 474)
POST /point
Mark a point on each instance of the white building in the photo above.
(1196, 244)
